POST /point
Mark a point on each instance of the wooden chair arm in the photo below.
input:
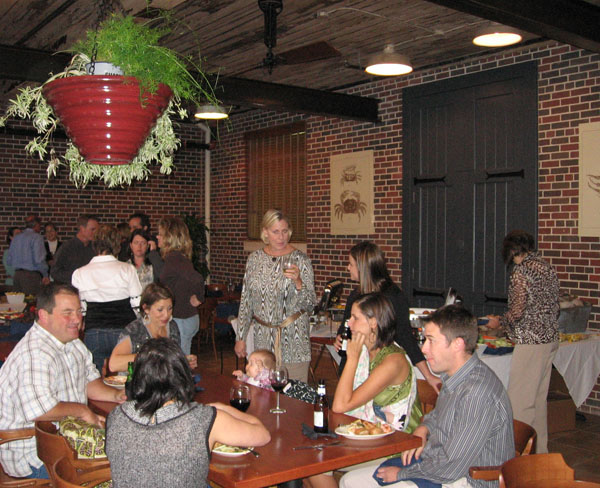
(16, 435)
(487, 473)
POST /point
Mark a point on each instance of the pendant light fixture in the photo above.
(211, 112)
(388, 63)
(497, 35)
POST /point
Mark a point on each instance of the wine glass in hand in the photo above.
(278, 378)
(239, 397)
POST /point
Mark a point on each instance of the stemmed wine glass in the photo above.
(278, 378)
(239, 397)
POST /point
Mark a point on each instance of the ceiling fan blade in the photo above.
(308, 53)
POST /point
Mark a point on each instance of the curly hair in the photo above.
(175, 236)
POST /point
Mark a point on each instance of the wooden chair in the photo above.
(525, 443)
(206, 312)
(538, 468)
(7, 481)
(67, 476)
(51, 447)
(427, 395)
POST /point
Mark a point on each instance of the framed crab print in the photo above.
(352, 199)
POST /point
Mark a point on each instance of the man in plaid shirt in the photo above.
(49, 375)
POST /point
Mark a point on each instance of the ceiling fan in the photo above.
(308, 53)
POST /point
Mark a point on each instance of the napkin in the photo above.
(311, 434)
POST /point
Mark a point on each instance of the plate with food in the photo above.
(116, 381)
(364, 430)
(230, 451)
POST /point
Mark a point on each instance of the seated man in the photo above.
(49, 374)
(471, 424)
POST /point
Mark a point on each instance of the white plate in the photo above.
(341, 431)
(416, 313)
(118, 386)
(12, 307)
(231, 454)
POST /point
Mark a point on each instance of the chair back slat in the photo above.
(535, 468)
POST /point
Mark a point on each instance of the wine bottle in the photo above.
(321, 410)
(129, 379)
(345, 338)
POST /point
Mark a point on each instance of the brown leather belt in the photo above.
(285, 322)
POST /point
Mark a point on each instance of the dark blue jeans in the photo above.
(39, 473)
(101, 343)
(397, 461)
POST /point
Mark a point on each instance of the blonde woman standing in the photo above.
(178, 274)
(278, 297)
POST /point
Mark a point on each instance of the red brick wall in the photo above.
(569, 94)
(24, 188)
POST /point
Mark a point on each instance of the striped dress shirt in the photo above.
(40, 372)
(471, 425)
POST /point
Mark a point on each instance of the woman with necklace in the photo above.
(277, 298)
(139, 243)
(156, 305)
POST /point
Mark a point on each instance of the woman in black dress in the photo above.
(367, 267)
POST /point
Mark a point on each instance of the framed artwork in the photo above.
(589, 179)
(352, 201)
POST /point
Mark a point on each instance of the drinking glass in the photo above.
(286, 263)
(278, 378)
(239, 397)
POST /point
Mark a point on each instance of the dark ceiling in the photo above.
(230, 35)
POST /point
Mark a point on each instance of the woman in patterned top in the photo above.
(531, 322)
(156, 305)
(276, 301)
(139, 257)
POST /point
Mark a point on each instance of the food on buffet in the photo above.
(573, 337)
(364, 427)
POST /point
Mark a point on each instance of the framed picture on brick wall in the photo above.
(352, 202)
(589, 179)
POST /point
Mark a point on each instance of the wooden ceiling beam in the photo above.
(24, 64)
(573, 22)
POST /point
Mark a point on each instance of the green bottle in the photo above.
(129, 379)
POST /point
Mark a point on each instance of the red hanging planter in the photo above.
(103, 115)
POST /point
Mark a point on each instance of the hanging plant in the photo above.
(135, 49)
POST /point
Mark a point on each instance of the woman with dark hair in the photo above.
(110, 291)
(377, 383)
(140, 258)
(531, 322)
(367, 266)
(161, 437)
(156, 321)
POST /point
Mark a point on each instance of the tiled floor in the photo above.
(580, 447)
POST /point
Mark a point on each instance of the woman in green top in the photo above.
(378, 382)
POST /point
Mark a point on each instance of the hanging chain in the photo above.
(105, 7)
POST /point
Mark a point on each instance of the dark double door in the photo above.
(470, 176)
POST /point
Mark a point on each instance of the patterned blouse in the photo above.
(272, 297)
(145, 273)
(532, 316)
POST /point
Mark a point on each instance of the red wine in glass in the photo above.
(278, 386)
(278, 378)
(241, 404)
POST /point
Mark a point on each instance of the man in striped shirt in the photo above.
(49, 375)
(471, 424)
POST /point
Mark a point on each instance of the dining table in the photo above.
(278, 463)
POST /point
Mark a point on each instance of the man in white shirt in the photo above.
(49, 375)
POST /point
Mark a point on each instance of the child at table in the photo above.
(260, 363)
